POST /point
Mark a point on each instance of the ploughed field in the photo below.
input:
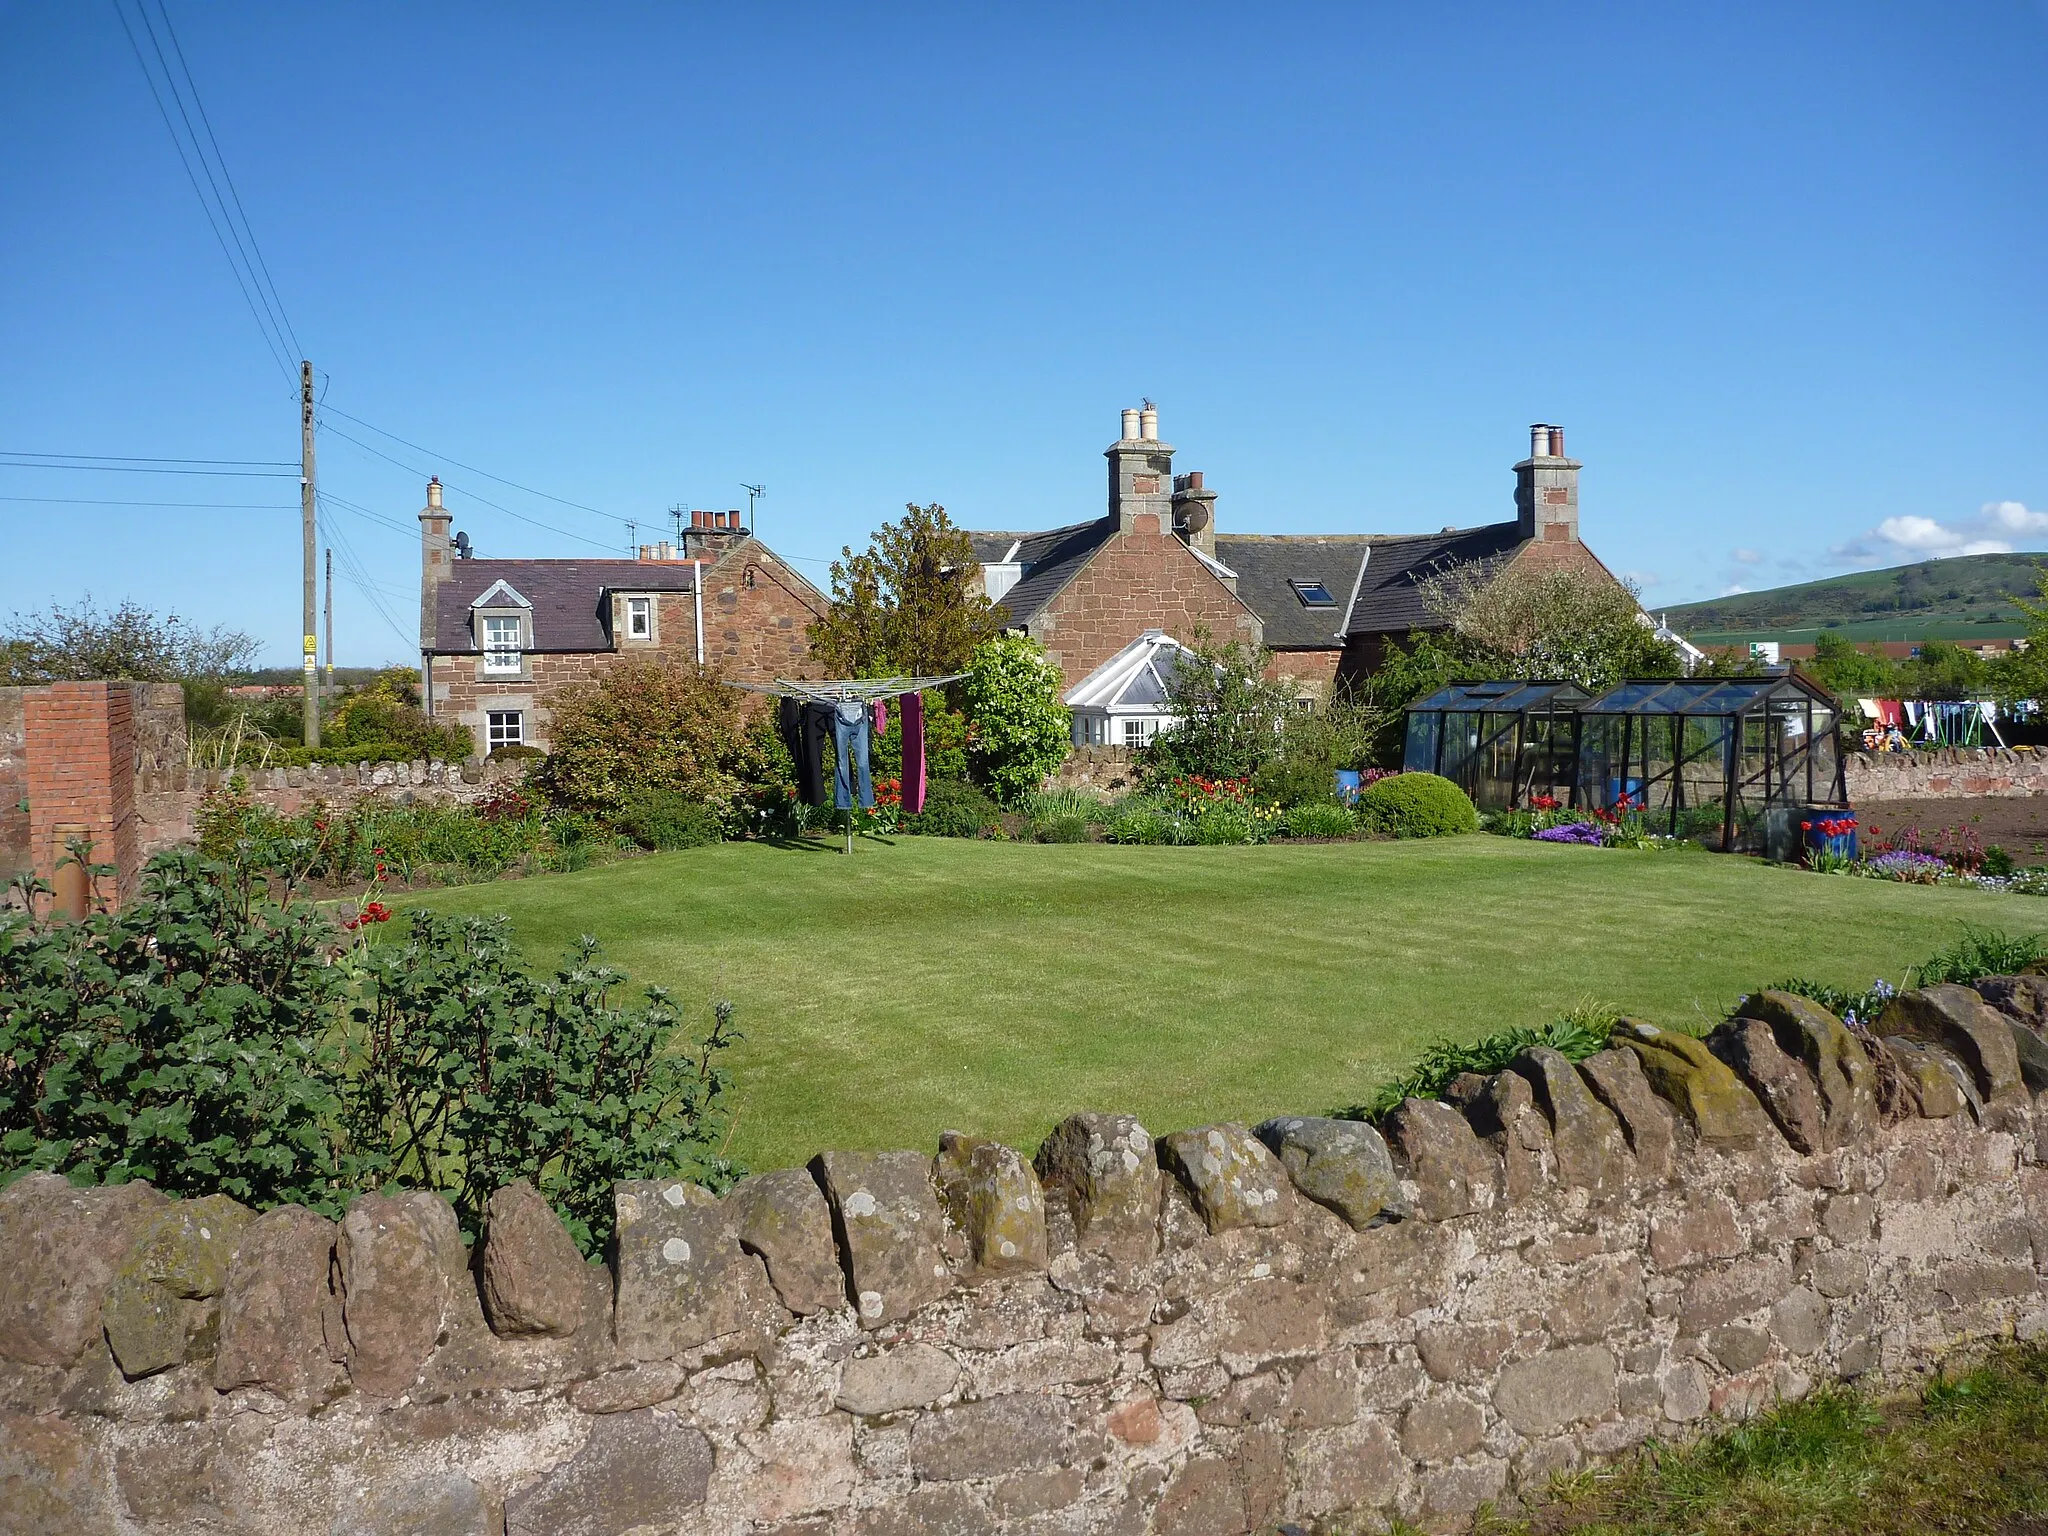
(928, 984)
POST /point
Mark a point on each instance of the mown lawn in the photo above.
(996, 987)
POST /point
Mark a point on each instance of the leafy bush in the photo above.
(644, 725)
(1018, 731)
(470, 1073)
(663, 819)
(216, 1041)
(386, 714)
(954, 809)
(1577, 1035)
(1051, 804)
(183, 1040)
(1980, 952)
(1140, 820)
(1230, 717)
(1060, 829)
(1416, 805)
(1997, 862)
(1324, 818)
(1314, 745)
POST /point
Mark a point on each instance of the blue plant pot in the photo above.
(1842, 844)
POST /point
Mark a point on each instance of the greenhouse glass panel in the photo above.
(1501, 742)
(1425, 733)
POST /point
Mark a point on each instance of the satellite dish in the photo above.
(462, 549)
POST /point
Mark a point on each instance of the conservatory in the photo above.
(1504, 744)
(1736, 762)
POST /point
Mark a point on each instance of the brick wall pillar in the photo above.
(80, 751)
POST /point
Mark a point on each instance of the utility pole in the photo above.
(329, 599)
(307, 542)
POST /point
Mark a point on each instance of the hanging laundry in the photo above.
(1870, 710)
(881, 719)
(850, 745)
(912, 706)
(810, 762)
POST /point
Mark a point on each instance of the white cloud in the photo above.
(1997, 529)
(1643, 580)
(1746, 556)
(1734, 589)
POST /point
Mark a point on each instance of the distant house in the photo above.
(498, 636)
(1325, 605)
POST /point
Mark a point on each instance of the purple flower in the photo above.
(1583, 832)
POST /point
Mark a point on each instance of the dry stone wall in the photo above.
(1950, 772)
(1312, 1324)
(166, 799)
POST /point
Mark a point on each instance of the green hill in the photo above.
(1966, 597)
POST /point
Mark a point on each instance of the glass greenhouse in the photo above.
(1736, 763)
(1502, 743)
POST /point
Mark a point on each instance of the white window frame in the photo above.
(639, 618)
(495, 733)
(498, 656)
(1135, 734)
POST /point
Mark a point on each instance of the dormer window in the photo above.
(639, 618)
(504, 651)
(1313, 594)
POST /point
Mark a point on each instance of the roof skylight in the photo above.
(1313, 594)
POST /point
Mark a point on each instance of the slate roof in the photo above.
(1050, 559)
(568, 597)
(1390, 597)
(1267, 563)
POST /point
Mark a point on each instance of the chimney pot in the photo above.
(434, 493)
(1130, 426)
(1539, 440)
(1148, 422)
(1557, 442)
(1194, 479)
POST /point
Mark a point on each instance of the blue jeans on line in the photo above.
(850, 747)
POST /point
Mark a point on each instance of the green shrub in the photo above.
(1050, 804)
(1060, 829)
(183, 1040)
(1416, 805)
(1577, 1035)
(1980, 952)
(385, 715)
(1139, 820)
(1323, 818)
(1997, 862)
(954, 809)
(664, 819)
(1220, 825)
(1018, 729)
(644, 725)
(471, 1072)
(216, 1041)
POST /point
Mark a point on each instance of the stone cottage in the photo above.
(497, 636)
(1324, 605)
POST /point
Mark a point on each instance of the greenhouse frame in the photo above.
(1735, 763)
(1503, 743)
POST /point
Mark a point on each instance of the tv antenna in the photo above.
(754, 495)
(675, 514)
(632, 538)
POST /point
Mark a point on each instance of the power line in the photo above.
(472, 495)
(270, 342)
(264, 266)
(134, 469)
(364, 512)
(445, 458)
(117, 458)
(198, 506)
(353, 571)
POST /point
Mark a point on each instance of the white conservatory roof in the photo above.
(1135, 679)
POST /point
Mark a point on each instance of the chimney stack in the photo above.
(1141, 475)
(1194, 512)
(435, 557)
(1547, 488)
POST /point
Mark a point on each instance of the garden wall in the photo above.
(1957, 772)
(166, 799)
(1193, 1335)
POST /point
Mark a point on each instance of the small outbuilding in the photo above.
(1505, 743)
(1735, 763)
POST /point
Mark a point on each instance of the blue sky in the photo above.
(1777, 270)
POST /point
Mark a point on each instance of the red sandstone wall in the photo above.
(1138, 581)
